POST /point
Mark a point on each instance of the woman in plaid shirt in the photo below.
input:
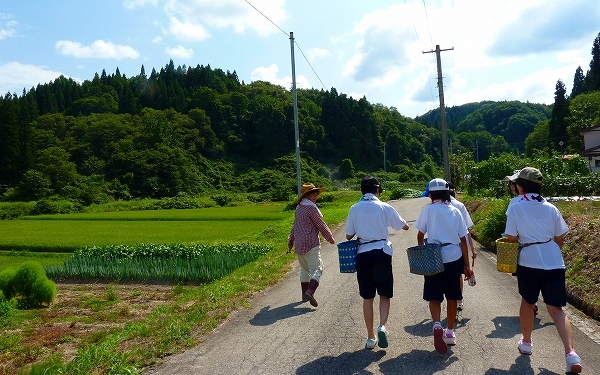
(304, 237)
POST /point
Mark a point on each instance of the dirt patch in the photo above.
(82, 312)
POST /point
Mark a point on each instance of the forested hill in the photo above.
(191, 130)
(513, 120)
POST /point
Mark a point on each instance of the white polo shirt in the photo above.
(535, 221)
(463, 211)
(443, 223)
(369, 220)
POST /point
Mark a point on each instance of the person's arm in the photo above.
(470, 243)
(421, 238)
(321, 226)
(510, 238)
(560, 240)
(349, 236)
(465, 252)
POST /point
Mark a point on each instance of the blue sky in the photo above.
(502, 49)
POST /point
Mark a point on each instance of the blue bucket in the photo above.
(347, 253)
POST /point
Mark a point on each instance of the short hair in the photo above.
(444, 195)
(370, 184)
(529, 186)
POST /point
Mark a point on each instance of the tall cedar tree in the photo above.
(578, 83)
(593, 76)
(558, 124)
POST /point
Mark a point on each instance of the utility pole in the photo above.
(442, 111)
(296, 130)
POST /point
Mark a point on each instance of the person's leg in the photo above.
(435, 309)
(526, 317)
(314, 263)
(460, 302)
(384, 310)
(563, 326)
(368, 316)
(451, 308)
(304, 269)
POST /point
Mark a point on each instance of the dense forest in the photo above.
(190, 130)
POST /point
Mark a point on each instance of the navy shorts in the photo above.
(551, 283)
(445, 283)
(374, 274)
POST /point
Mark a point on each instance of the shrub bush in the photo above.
(29, 285)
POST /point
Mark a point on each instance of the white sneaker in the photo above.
(449, 337)
(525, 347)
(573, 363)
(382, 334)
(370, 344)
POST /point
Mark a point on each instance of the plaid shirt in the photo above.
(308, 223)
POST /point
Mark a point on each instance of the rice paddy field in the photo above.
(50, 239)
(88, 229)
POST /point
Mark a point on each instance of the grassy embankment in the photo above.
(119, 336)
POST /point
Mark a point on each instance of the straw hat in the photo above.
(309, 188)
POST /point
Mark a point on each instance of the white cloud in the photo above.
(179, 52)
(387, 47)
(25, 76)
(7, 26)
(157, 39)
(235, 14)
(98, 50)
(269, 74)
(187, 30)
(131, 4)
(315, 53)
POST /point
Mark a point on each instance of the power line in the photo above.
(286, 34)
(319, 78)
(426, 65)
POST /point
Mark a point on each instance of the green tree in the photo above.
(592, 79)
(578, 83)
(10, 140)
(584, 112)
(54, 163)
(557, 128)
(538, 139)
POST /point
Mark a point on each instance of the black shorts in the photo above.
(446, 283)
(551, 283)
(374, 274)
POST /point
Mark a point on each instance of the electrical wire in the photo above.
(319, 78)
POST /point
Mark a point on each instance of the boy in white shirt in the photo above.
(444, 224)
(539, 228)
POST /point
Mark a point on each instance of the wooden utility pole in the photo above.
(296, 130)
(442, 111)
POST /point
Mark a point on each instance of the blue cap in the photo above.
(426, 192)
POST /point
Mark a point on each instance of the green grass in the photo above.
(67, 232)
(16, 258)
(195, 310)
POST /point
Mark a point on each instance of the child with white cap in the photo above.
(444, 224)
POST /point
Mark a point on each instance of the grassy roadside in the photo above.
(102, 328)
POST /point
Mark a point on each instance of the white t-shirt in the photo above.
(463, 211)
(535, 221)
(369, 220)
(514, 200)
(443, 223)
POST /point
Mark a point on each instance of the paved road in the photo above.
(280, 335)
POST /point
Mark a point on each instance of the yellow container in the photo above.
(507, 255)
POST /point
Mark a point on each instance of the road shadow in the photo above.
(345, 363)
(422, 329)
(507, 327)
(418, 362)
(267, 316)
(522, 366)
